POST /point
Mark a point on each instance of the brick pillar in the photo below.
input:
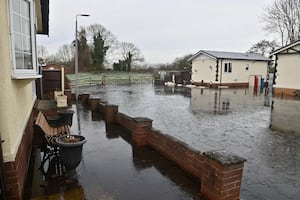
(68, 93)
(84, 99)
(222, 176)
(141, 126)
(110, 113)
(94, 103)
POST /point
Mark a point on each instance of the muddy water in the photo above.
(232, 119)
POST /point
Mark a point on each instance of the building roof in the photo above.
(230, 55)
(281, 49)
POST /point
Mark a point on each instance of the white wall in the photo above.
(239, 73)
(17, 96)
(204, 68)
(288, 71)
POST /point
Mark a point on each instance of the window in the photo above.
(22, 38)
(247, 67)
(228, 67)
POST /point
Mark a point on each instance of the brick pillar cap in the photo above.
(224, 157)
(110, 105)
(142, 119)
(94, 98)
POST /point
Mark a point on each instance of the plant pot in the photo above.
(66, 117)
(61, 101)
(70, 150)
(57, 93)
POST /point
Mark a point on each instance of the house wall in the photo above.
(239, 73)
(16, 106)
(288, 70)
(18, 98)
(204, 68)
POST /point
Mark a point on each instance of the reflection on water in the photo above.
(233, 119)
(112, 168)
(125, 172)
(285, 115)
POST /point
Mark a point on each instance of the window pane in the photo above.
(17, 23)
(25, 8)
(25, 26)
(26, 44)
(28, 61)
(16, 6)
(19, 61)
(18, 42)
(22, 35)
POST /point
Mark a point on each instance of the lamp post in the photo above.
(76, 70)
(76, 55)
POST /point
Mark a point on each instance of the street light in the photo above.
(76, 70)
(76, 55)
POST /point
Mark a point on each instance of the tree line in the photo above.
(99, 48)
(282, 19)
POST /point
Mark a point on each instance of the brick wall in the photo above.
(125, 120)
(187, 158)
(219, 172)
(285, 92)
(15, 172)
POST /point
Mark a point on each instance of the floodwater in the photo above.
(111, 169)
(235, 120)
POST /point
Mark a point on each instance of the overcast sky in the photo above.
(163, 29)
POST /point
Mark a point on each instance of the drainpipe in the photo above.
(217, 70)
(275, 70)
(221, 68)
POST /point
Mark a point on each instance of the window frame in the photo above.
(23, 73)
(228, 67)
(247, 67)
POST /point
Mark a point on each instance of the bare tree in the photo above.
(42, 54)
(130, 54)
(283, 17)
(65, 54)
(108, 38)
(263, 47)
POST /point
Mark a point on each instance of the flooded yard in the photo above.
(206, 119)
(232, 119)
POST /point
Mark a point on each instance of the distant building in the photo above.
(287, 69)
(172, 76)
(218, 68)
(53, 80)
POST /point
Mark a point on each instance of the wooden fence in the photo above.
(111, 80)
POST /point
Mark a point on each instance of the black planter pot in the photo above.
(65, 117)
(70, 152)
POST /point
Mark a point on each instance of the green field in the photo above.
(90, 79)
